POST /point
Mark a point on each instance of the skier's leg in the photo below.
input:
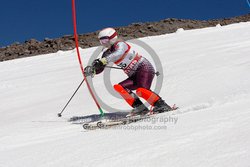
(144, 75)
(153, 99)
(132, 99)
(128, 96)
(148, 95)
(124, 89)
(129, 83)
(144, 78)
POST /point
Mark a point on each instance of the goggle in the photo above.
(104, 40)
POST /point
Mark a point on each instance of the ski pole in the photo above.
(157, 73)
(60, 114)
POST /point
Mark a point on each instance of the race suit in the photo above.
(139, 70)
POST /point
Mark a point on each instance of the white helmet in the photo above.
(108, 36)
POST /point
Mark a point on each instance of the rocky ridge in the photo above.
(33, 47)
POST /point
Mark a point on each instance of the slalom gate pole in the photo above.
(79, 57)
(157, 73)
(60, 114)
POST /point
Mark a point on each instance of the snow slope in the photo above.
(206, 72)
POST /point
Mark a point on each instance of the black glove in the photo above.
(97, 64)
(89, 71)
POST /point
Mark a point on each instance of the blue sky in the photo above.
(25, 19)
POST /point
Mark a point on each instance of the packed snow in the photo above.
(206, 73)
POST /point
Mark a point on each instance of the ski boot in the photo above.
(138, 109)
(161, 106)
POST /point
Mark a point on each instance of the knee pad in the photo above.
(148, 95)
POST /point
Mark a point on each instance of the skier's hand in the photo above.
(99, 63)
(89, 71)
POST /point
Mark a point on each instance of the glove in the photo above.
(89, 71)
(99, 63)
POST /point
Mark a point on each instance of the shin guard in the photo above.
(130, 99)
(148, 95)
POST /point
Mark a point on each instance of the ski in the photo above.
(105, 123)
(109, 123)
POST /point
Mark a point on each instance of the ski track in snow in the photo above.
(205, 74)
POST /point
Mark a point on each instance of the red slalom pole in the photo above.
(79, 57)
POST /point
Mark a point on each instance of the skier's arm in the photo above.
(96, 68)
(107, 57)
(99, 64)
(120, 50)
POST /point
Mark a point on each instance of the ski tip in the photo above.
(174, 107)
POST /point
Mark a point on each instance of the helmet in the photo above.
(107, 36)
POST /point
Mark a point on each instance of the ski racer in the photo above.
(139, 70)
